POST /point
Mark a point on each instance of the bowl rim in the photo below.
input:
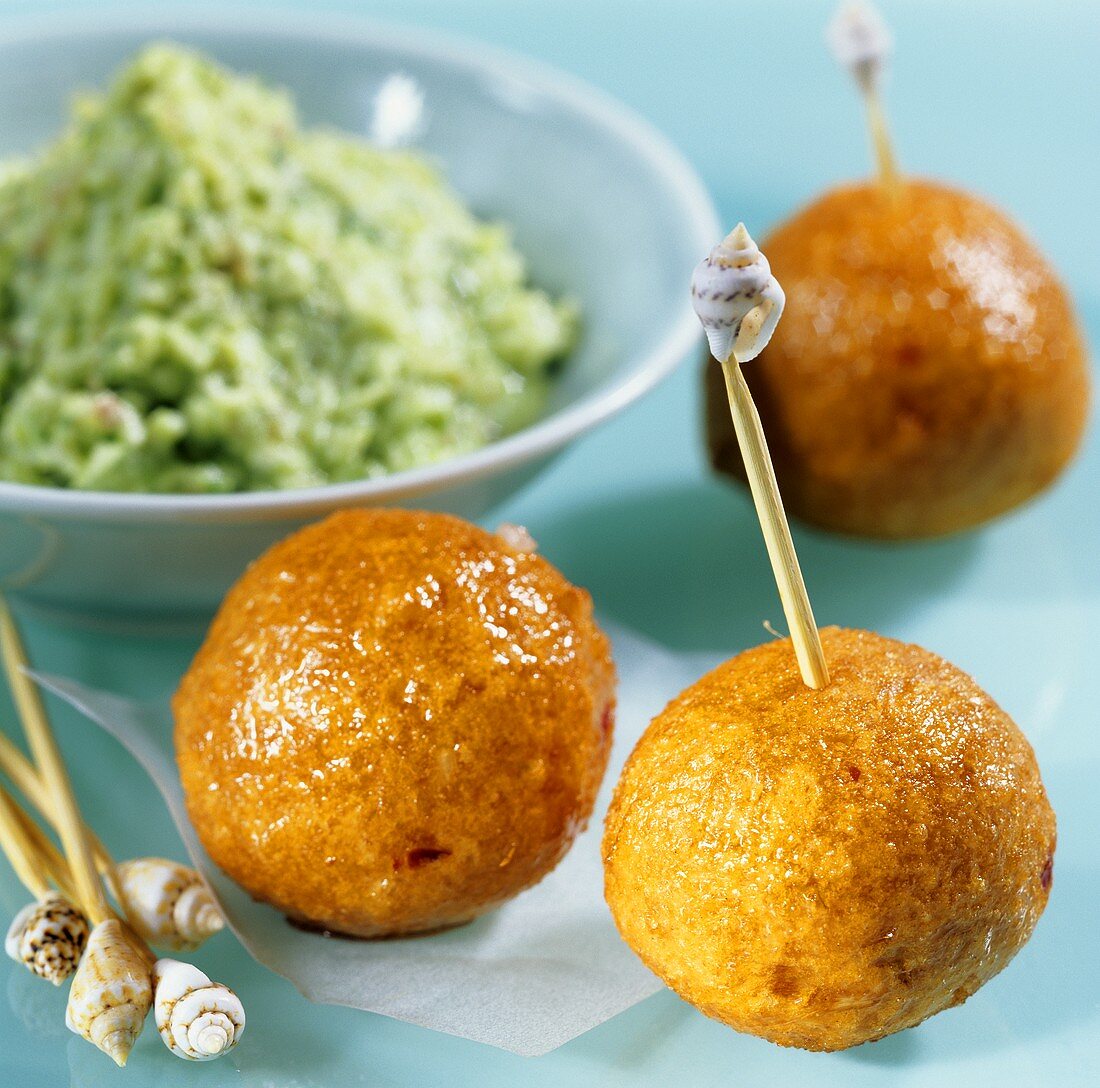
(541, 438)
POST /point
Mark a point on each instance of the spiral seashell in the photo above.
(197, 1019)
(737, 298)
(167, 903)
(861, 42)
(112, 990)
(48, 938)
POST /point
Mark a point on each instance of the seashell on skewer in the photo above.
(112, 990)
(168, 904)
(48, 937)
(198, 1019)
(738, 300)
(861, 42)
(739, 303)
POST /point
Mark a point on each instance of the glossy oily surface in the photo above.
(396, 722)
(929, 372)
(823, 868)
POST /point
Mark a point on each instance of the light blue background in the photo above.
(1002, 96)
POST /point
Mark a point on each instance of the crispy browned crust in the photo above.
(396, 722)
(928, 374)
(825, 868)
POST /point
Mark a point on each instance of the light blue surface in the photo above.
(1001, 96)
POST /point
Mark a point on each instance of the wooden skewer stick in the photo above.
(57, 868)
(90, 895)
(19, 769)
(862, 43)
(739, 303)
(20, 850)
(777, 533)
(27, 780)
(51, 862)
(888, 175)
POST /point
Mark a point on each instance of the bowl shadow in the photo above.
(686, 566)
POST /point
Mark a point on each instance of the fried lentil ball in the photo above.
(397, 721)
(928, 374)
(822, 868)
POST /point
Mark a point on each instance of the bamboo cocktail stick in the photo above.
(21, 850)
(862, 44)
(51, 859)
(48, 935)
(70, 827)
(739, 303)
(26, 779)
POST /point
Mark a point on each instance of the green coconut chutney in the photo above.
(197, 295)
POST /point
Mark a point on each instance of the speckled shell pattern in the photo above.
(732, 281)
(48, 937)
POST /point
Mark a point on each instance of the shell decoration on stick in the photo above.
(48, 937)
(197, 1019)
(739, 303)
(112, 990)
(861, 42)
(166, 903)
(738, 300)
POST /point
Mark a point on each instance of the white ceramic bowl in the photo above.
(588, 187)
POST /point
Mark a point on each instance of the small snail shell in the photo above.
(197, 1019)
(48, 937)
(860, 42)
(167, 903)
(112, 990)
(737, 298)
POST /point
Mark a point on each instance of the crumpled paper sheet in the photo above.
(530, 976)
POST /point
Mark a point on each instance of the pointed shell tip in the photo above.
(740, 236)
(117, 1046)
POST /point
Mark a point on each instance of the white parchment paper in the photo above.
(529, 977)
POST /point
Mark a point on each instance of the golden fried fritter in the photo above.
(823, 868)
(397, 722)
(928, 374)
